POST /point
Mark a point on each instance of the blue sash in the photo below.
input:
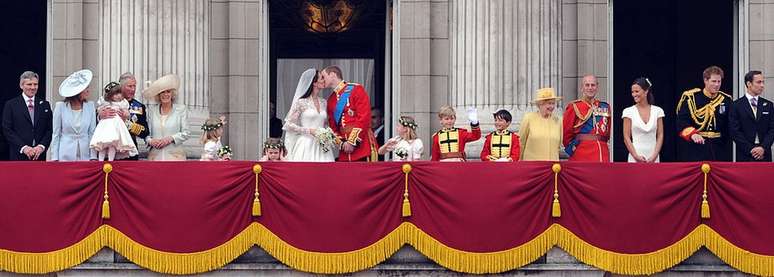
(343, 99)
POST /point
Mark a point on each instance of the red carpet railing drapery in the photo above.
(189, 217)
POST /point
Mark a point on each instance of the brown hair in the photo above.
(712, 70)
(111, 89)
(335, 69)
(211, 133)
(409, 123)
(274, 143)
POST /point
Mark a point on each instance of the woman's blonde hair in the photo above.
(210, 128)
(447, 111)
(410, 124)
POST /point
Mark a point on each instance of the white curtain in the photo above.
(289, 70)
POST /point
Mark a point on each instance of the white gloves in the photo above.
(473, 116)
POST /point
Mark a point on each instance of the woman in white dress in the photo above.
(643, 124)
(306, 119)
(406, 146)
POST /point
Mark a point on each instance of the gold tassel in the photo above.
(406, 204)
(556, 209)
(705, 209)
(107, 168)
(257, 169)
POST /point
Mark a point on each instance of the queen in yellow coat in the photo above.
(541, 132)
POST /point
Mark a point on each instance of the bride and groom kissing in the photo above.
(317, 129)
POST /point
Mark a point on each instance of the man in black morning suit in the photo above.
(27, 122)
(751, 122)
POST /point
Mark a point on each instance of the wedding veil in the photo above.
(303, 84)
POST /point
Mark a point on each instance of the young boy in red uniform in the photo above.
(449, 142)
(501, 145)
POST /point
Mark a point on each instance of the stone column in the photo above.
(239, 75)
(74, 43)
(761, 39)
(584, 46)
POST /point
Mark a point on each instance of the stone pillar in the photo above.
(500, 53)
(761, 39)
(239, 72)
(74, 43)
(584, 46)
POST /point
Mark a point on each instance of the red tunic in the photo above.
(586, 130)
(453, 147)
(355, 123)
(501, 148)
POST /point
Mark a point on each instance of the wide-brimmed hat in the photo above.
(166, 82)
(75, 83)
(545, 94)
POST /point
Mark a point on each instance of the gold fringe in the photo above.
(480, 263)
(332, 263)
(705, 209)
(406, 211)
(743, 260)
(107, 168)
(181, 263)
(556, 209)
(630, 264)
(40, 263)
(257, 169)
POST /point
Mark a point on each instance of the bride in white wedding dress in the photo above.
(306, 116)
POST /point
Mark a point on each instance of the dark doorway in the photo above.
(363, 39)
(671, 43)
(24, 31)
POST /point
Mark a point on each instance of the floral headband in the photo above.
(212, 127)
(269, 145)
(407, 123)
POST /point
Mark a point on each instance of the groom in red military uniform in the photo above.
(349, 116)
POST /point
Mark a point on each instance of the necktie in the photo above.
(754, 105)
(31, 110)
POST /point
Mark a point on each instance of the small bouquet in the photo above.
(225, 153)
(401, 152)
(326, 138)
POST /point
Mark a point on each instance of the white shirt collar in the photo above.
(749, 96)
(27, 99)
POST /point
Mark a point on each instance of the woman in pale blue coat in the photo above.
(74, 120)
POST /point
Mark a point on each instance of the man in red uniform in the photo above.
(586, 125)
(349, 116)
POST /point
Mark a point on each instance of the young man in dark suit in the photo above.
(751, 122)
(27, 122)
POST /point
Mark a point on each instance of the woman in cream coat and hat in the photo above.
(167, 121)
(541, 132)
(74, 120)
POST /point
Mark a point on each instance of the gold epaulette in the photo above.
(691, 91)
(686, 94)
(724, 94)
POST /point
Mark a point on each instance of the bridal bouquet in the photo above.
(225, 152)
(326, 138)
(401, 152)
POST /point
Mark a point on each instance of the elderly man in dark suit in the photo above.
(751, 122)
(27, 122)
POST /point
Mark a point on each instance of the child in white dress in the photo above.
(406, 146)
(213, 149)
(111, 137)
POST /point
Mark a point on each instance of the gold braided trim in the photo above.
(743, 260)
(364, 258)
(332, 263)
(39, 263)
(480, 263)
(630, 264)
(181, 263)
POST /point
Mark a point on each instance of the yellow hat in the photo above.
(545, 94)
